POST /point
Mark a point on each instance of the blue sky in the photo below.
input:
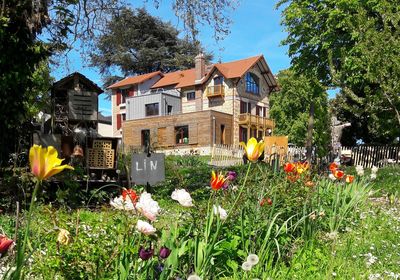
(255, 30)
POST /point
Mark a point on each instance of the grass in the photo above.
(367, 247)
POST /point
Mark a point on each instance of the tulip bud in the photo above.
(145, 254)
(164, 252)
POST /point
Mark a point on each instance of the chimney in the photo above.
(200, 66)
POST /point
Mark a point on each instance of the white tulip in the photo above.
(183, 197)
(218, 210)
(147, 206)
(121, 204)
(332, 177)
(145, 227)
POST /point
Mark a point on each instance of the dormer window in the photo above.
(252, 83)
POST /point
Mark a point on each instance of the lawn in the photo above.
(300, 225)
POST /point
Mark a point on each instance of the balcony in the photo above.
(216, 91)
(256, 121)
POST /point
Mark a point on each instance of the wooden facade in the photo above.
(204, 129)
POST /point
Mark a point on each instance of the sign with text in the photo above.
(148, 169)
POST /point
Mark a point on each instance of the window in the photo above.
(124, 93)
(191, 95)
(152, 109)
(182, 134)
(124, 117)
(243, 134)
(218, 80)
(252, 83)
(169, 110)
(222, 134)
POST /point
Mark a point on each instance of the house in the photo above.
(104, 127)
(223, 103)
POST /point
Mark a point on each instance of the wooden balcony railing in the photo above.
(216, 91)
(257, 121)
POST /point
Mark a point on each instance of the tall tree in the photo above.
(64, 22)
(290, 109)
(137, 43)
(352, 45)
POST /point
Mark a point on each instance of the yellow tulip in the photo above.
(63, 237)
(45, 162)
(253, 149)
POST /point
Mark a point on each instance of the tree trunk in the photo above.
(310, 132)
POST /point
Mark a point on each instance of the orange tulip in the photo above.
(349, 178)
(45, 163)
(338, 174)
(309, 184)
(289, 167)
(253, 149)
(217, 182)
(333, 166)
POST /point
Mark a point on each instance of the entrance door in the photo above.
(146, 137)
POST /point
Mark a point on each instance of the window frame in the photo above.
(192, 97)
(252, 83)
(180, 136)
(157, 108)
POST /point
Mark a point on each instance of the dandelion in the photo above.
(183, 197)
(253, 149)
(194, 277)
(373, 176)
(246, 266)
(374, 169)
(253, 259)
(63, 237)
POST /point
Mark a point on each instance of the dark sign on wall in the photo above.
(148, 169)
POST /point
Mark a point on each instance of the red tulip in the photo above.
(217, 181)
(5, 244)
(338, 174)
(131, 194)
(289, 167)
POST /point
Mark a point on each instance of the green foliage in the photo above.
(290, 109)
(136, 43)
(353, 46)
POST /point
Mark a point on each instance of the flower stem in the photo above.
(21, 250)
(240, 193)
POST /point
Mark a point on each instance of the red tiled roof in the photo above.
(135, 80)
(236, 69)
(183, 78)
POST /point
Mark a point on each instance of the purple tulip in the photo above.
(225, 185)
(231, 176)
(164, 252)
(145, 254)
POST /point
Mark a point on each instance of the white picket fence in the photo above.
(226, 155)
